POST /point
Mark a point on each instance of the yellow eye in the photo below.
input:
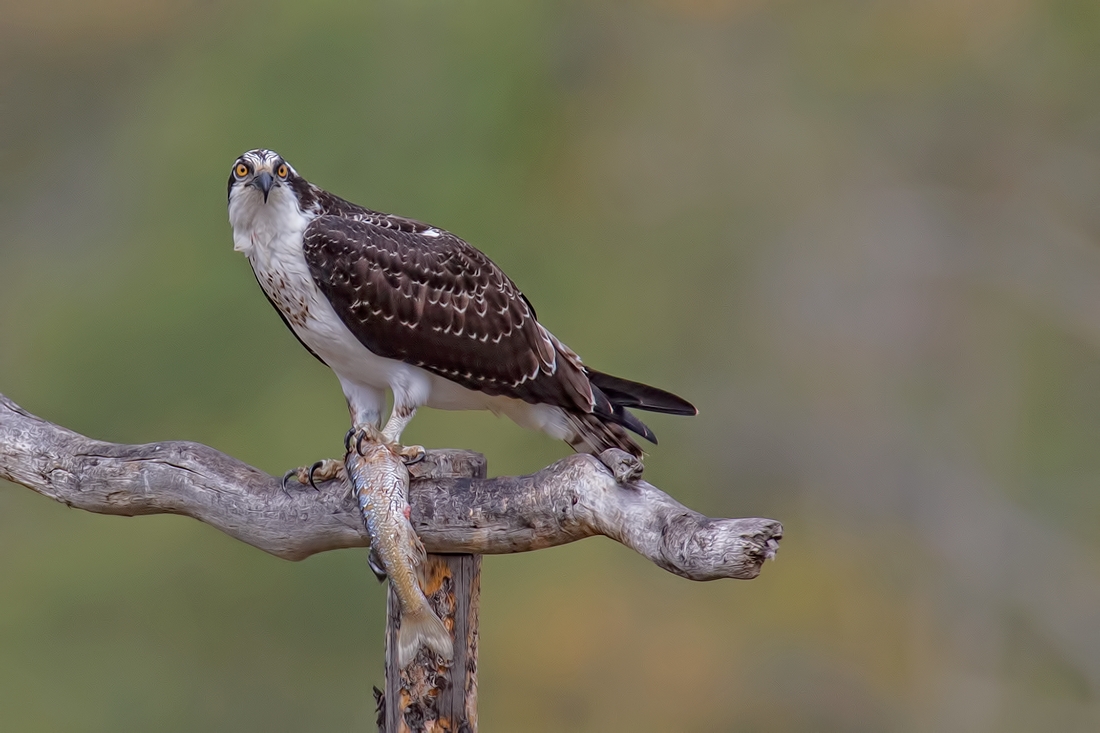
(282, 171)
(241, 170)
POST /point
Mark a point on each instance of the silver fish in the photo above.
(381, 481)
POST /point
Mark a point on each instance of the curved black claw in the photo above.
(376, 565)
(359, 441)
(417, 459)
(313, 470)
(286, 479)
(347, 439)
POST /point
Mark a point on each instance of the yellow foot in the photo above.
(411, 454)
(325, 470)
(361, 434)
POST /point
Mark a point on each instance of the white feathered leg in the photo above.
(399, 420)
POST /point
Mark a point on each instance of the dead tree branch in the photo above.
(577, 497)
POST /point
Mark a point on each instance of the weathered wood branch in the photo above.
(577, 497)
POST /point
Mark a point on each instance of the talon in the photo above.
(347, 439)
(286, 479)
(312, 470)
(376, 565)
(359, 442)
(624, 467)
(411, 455)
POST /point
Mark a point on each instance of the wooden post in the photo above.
(428, 696)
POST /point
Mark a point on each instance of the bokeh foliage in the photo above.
(862, 236)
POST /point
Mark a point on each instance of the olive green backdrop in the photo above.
(861, 236)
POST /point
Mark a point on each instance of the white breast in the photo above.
(270, 235)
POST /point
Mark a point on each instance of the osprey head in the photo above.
(260, 170)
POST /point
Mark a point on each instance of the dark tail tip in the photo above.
(625, 393)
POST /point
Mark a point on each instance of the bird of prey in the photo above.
(391, 303)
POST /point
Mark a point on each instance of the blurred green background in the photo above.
(861, 236)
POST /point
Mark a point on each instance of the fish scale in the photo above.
(381, 481)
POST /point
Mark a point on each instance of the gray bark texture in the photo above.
(579, 496)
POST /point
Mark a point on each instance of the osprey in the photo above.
(391, 303)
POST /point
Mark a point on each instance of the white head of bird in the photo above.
(263, 200)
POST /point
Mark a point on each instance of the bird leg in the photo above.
(330, 469)
(399, 419)
(367, 432)
(355, 438)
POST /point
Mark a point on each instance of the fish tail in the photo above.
(422, 628)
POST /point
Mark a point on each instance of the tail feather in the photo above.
(625, 393)
(609, 411)
(629, 421)
(594, 434)
(603, 428)
(422, 628)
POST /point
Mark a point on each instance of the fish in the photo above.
(380, 481)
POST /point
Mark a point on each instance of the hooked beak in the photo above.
(264, 182)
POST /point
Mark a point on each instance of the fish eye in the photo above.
(241, 170)
(282, 170)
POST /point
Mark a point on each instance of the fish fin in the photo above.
(416, 553)
(422, 628)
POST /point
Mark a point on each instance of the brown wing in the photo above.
(411, 292)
